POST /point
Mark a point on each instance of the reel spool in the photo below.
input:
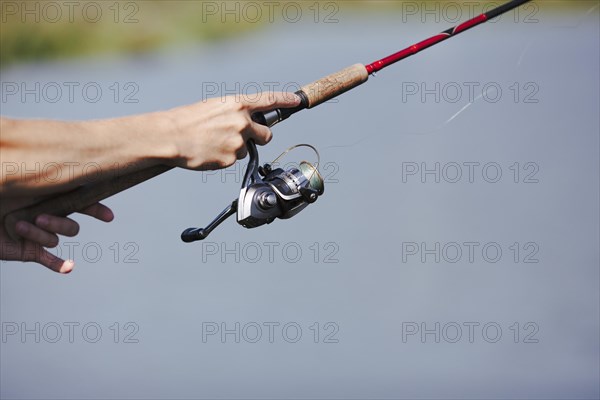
(268, 193)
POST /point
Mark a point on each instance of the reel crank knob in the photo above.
(193, 234)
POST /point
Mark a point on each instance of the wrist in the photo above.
(179, 133)
(162, 131)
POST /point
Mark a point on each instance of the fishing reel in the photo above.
(268, 193)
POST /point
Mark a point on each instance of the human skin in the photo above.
(41, 158)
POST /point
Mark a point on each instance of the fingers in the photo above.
(242, 153)
(35, 234)
(33, 252)
(44, 234)
(47, 227)
(266, 102)
(260, 133)
(270, 100)
(99, 211)
(54, 263)
(50, 261)
(60, 225)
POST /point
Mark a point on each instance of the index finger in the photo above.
(267, 101)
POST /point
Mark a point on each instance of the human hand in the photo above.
(212, 134)
(43, 234)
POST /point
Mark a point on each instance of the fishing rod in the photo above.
(335, 84)
(266, 194)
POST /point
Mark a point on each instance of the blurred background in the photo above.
(454, 253)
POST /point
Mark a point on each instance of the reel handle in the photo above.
(80, 198)
(193, 234)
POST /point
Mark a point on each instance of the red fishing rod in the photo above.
(335, 84)
(311, 95)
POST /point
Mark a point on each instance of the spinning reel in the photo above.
(268, 193)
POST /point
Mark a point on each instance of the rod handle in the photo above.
(335, 84)
(79, 198)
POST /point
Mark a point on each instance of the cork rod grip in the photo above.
(80, 198)
(335, 84)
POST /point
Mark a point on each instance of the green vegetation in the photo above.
(37, 30)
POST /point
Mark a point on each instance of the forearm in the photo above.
(46, 156)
